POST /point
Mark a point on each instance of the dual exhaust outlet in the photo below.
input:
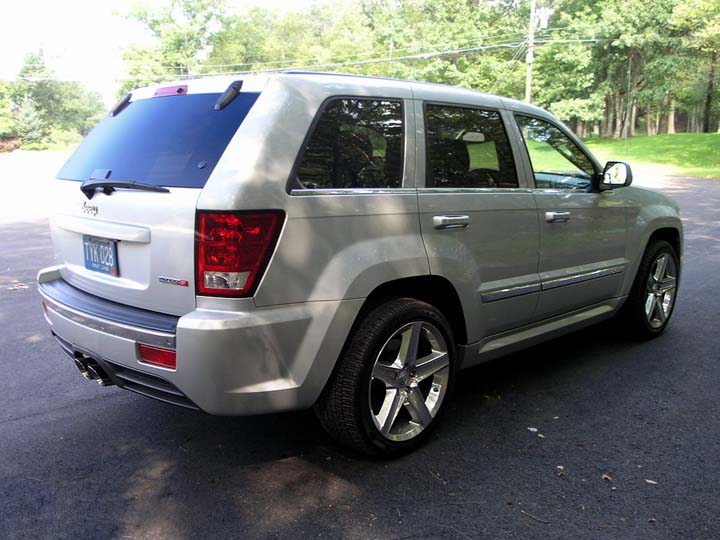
(92, 371)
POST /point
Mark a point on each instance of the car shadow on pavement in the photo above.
(117, 465)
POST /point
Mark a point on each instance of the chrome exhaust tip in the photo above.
(83, 369)
(92, 371)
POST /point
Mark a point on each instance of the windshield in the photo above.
(173, 141)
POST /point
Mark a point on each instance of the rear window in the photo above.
(173, 141)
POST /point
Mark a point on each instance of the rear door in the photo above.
(478, 222)
(582, 232)
(137, 247)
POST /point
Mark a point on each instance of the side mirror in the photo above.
(615, 175)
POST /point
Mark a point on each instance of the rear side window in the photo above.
(356, 143)
(172, 141)
(467, 148)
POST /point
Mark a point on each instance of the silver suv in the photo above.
(348, 243)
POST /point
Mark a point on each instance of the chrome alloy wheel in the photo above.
(409, 381)
(661, 288)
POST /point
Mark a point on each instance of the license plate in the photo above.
(101, 255)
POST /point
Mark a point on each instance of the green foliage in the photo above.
(7, 120)
(63, 105)
(64, 138)
(30, 128)
(183, 31)
(606, 63)
(582, 109)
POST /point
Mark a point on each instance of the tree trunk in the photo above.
(649, 122)
(671, 117)
(710, 90)
(662, 120)
(628, 116)
(691, 120)
(633, 118)
(618, 117)
(605, 126)
(657, 122)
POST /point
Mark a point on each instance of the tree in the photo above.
(699, 23)
(601, 64)
(67, 106)
(7, 120)
(183, 31)
(29, 125)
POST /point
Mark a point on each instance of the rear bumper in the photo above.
(254, 361)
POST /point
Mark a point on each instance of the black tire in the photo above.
(635, 321)
(344, 408)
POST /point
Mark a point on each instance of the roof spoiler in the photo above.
(121, 104)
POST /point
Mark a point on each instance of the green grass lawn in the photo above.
(681, 154)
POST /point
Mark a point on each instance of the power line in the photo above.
(490, 38)
(320, 66)
(503, 73)
(370, 53)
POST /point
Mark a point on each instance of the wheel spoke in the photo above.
(649, 305)
(385, 373)
(660, 268)
(667, 284)
(417, 408)
(430, 364)
(394, 400)
(409, 345)
(661, 315)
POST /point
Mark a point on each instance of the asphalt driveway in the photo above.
(625, 438)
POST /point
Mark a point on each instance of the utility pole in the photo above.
(530, 53)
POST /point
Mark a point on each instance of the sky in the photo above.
(82, 39)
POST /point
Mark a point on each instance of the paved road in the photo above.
(78, 461)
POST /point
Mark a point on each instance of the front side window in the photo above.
(557, 162)
(357, 143)
(467, 148)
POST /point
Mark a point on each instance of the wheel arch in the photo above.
(670, 234)
(433, 289)
(670, 231)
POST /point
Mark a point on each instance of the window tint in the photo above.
(557, 162)
(172, 141)
(467, 148)
(357, 143)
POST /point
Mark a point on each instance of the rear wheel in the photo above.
(392, 381)
(650, 304)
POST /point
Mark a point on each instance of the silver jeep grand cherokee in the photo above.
(348, 243)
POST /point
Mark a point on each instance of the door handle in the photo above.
(451, 222)
(557, 217)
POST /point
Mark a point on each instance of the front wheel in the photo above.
(650, 304)
(392, 381)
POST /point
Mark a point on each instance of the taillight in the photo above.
(156, 356)
(232, 250)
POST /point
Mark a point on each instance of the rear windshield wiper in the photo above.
(88, 187)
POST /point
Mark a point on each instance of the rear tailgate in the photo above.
(132, 246)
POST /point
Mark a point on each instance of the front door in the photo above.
(582, 232)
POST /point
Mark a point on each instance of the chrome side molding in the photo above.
(579, 278)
